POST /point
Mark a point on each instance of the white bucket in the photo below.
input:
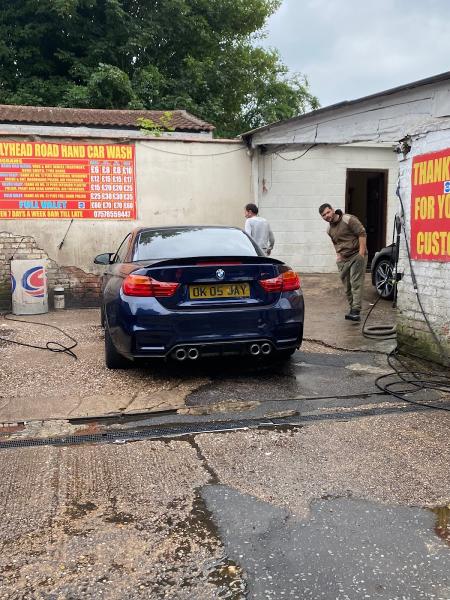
(58, 297)
(29, 287)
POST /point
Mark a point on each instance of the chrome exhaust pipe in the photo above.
(193, 353)
(254, 349)
(266, 348)
(180, 354)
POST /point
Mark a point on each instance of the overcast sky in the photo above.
(353, 48)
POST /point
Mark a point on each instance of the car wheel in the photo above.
(102, 316)
(384, 278)
(113, 359)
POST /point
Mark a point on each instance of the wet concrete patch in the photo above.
(346, 549)
(64, 388)
(235, 382)
(199, 529)
(307, 374)
(111, 522)
(372, 369)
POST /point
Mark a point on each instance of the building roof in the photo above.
(346, 103)
(180, 120)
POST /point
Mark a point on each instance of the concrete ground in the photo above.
(349, 501)
(332, 510)
(39, 385)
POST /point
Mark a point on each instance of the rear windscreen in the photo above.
(179, 243)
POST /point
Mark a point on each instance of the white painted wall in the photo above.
(294, 189)
(178, 183)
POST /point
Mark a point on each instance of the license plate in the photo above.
(220, 290)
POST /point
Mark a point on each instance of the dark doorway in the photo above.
(366, 198)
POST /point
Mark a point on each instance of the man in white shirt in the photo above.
(258, 229)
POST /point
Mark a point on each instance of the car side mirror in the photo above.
(103, 259)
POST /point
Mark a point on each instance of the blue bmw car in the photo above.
(192, 292)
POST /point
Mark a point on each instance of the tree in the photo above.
(201, 55)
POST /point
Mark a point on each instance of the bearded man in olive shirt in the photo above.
(349, 239)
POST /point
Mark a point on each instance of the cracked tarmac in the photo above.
(339, 507)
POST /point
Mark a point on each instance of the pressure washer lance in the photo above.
(395, 276)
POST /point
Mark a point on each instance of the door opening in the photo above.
(366, 198)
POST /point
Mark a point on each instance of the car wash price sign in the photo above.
(67, 181)
(430, 207)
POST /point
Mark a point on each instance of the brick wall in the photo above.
(81, 289)
(433, 278)
(414, 335)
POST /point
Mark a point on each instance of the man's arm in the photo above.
(248, 227)
(362, 244)
(271, 241)
(358, 229)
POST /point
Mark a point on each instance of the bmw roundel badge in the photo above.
(220, 273)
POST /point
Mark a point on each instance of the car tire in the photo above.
(102, 316)
(113, 359)
(384, 279)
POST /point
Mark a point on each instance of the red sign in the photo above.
(41, 180)
(430, 206)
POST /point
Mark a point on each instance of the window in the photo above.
(202, 241)
(122, 251)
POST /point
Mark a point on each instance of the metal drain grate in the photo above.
(148, 433)
(170, 431)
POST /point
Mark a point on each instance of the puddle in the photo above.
(199, 529)
(228, 579)
(442, 526)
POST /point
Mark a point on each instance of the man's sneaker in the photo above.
(353, 315)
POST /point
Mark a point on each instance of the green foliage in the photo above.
(199, 55)
(150, 127)
(109, 87)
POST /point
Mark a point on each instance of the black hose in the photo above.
(385, 332)
(51, 346)
(417, 380)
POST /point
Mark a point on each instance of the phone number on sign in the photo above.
(118, 214)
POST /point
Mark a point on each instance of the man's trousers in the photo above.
(352, 272)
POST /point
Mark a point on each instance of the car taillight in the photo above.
(291, 281)
(141, 285)
(272, 285)
(286, 282)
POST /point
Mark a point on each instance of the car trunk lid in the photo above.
(215, 282)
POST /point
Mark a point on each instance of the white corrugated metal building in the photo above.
(354, 155)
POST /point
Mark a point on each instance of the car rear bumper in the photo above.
(142, 333)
